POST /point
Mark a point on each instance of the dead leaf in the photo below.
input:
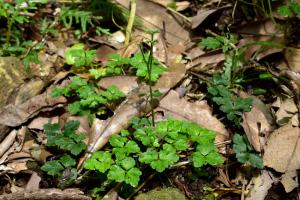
(15, 115)
(282, 150)
(287, 110)
(257, 123)
(292, 55)
(265, 28)
(289, 180)
(39, 122)
(261, 185)
(8, 141)
(34, 182)
(201, 16)
(202, 62)
(125, 83)
(155, 16)
(196, 112)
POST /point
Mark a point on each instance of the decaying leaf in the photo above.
(124, 83)
(293, 58)
(287, 109)
(39, 122)
(282, 153)
(34, 182)
(258, 123)
(15, 115)
(261, 185)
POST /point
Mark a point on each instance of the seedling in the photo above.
(159, 147)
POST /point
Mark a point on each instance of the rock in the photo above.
(162, 194)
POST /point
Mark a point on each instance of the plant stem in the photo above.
(130, 21)
(149, 69)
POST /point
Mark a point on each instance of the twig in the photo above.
(130, 21)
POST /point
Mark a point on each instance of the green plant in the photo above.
(79, 57)
(220, 89)
(117, 63)
(245, 153)
(159, 147)
(87, 100)
(67, 140)
(289, 10)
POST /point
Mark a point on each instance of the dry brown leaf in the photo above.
(293, 58)
(261, 185)
(39, 122)
(289, 180)
(201, 16)
(264, 28)
(282, 150)
(7, 142)
(286, 111)
(282, 154)
(203, 61)
(196, 112)
(34, 182)
(257, 122)
(15, 115)
(125, 83)
(155, 16)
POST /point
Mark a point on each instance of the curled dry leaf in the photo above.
(197, 112)
(282, 153)
(258, 123)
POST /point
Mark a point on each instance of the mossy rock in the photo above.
(162, 194)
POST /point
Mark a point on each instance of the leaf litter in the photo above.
(270, 129)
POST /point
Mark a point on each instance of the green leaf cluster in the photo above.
(137, 63)
(88, 101)
(233, 106)
(289, 10)
(66, 139)
(216, 42)
(78, 56)
(120, 167)
(245, 153)
(159, 147)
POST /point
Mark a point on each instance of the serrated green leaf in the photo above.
(67, 161)
(71, 127)
(198, 159)
(148, 156)
(127, 163)
(131, 147)
(256, 161)
(210, 43)
(133, 177)
(117, 141)
(53, 167)
(159, 165)
(239, 145)
(214, 158)
(181, 144)
(100, 161)
(116, 173)
(76, 149)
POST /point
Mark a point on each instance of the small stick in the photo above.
(130, 21)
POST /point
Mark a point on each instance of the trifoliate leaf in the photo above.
(160, 165)
(117, 141)
(132, 147)
(181, 144)
(53, 167)
(116, 173)
(127, 163)
(67, 161)
(72, 52)
(133, 177)
(100, 161)
(214, 158)
(148, 156)
(211, 43)
(198, 159)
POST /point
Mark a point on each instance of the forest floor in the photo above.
(149, 99)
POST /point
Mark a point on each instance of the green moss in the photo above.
(162, 194)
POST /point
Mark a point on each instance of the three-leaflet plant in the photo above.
(71, 143)
(87, 101)
(158, 147)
